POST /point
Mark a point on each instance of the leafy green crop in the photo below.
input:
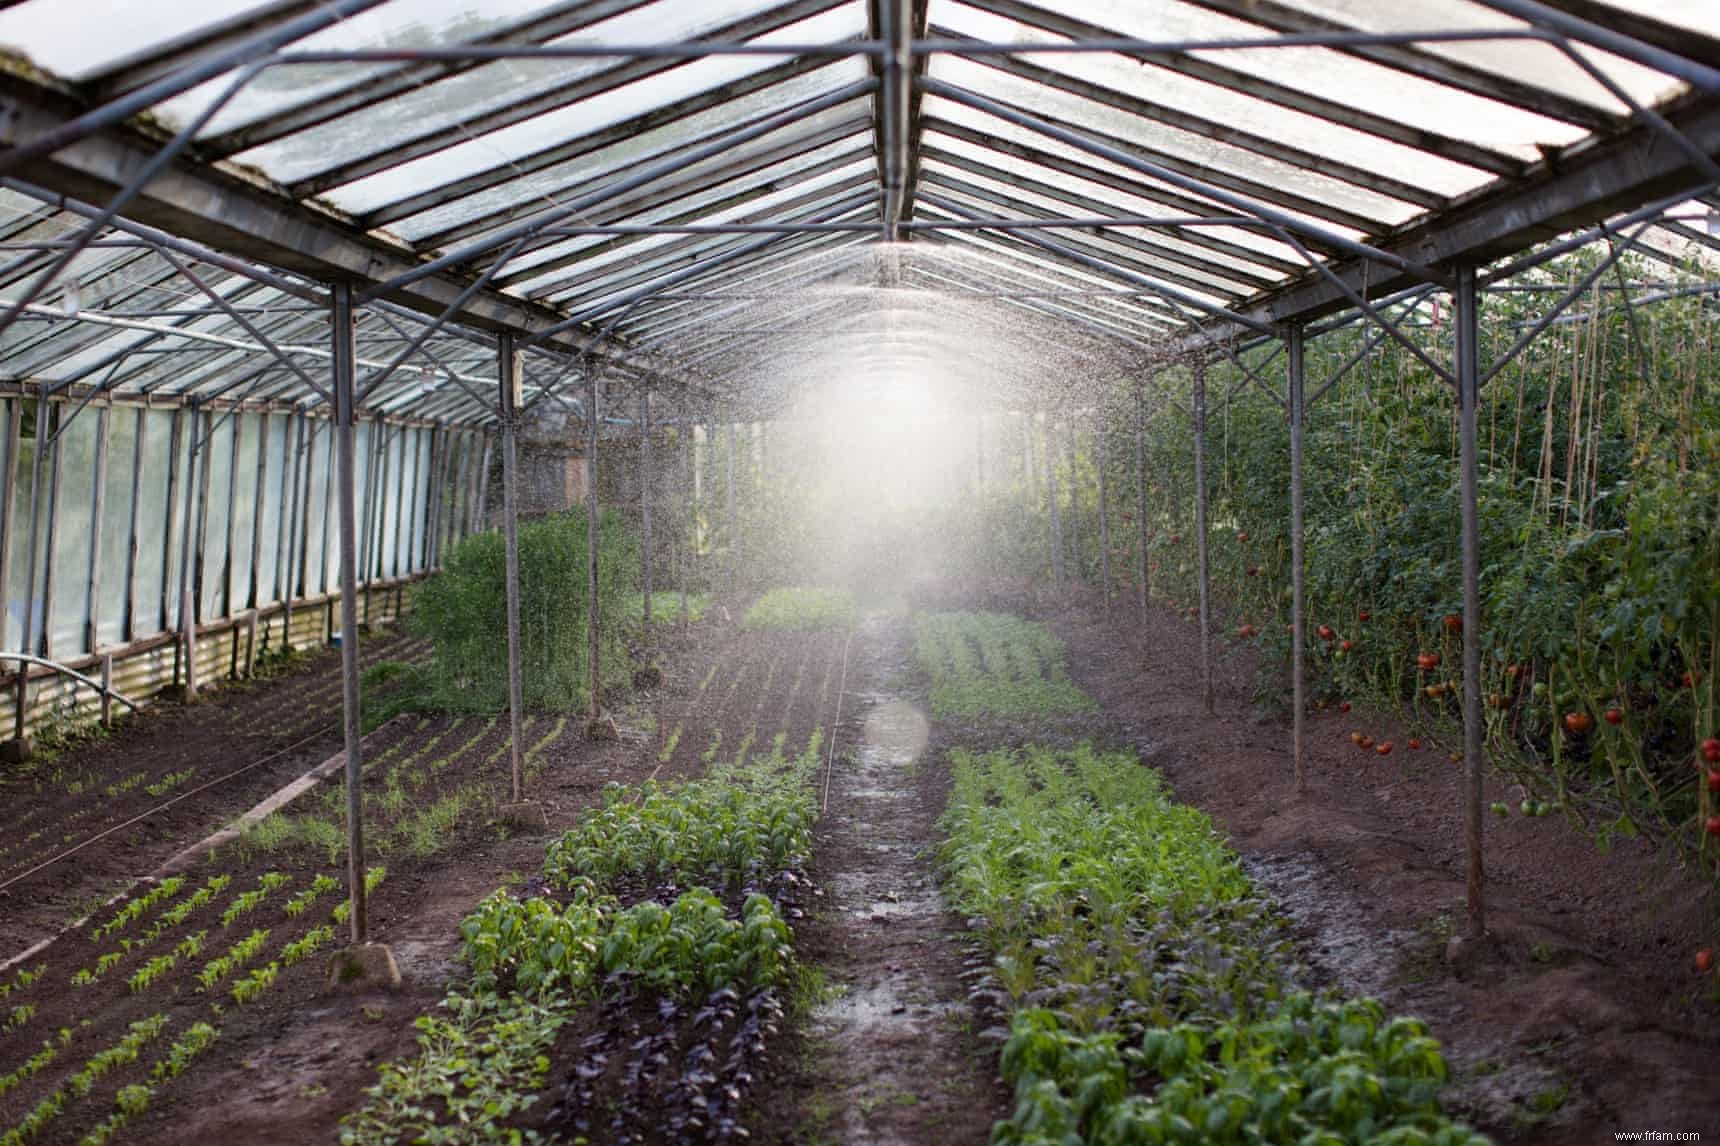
(1155, 993)
(984, 664)
(801, 608)
(737, 825)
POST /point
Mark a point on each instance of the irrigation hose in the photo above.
(841, 687)
(71, 851)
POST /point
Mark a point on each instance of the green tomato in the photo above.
(1499, 808)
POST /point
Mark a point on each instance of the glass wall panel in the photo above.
(272, 554)
(218, 456)
(249, 428)
(74, 507)
(116, 526)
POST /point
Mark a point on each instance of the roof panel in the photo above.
(78, 39)
(1235, 111)
(578, 119)
(449, 102)
(603, 166)
(1543, 65)
(1333, 75)
(1184, 146)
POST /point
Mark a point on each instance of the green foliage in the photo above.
(135, 908)
(994, 664)
(463, 610)
(736, 826)
(198, 1037)
(801, 608)
(478, 1065)
(666, 607)
(1153, 994)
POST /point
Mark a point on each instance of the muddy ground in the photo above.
(1584, 1017)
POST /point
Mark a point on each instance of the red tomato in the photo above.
(1344, 706)
(1415, 744)
(1705, 960)
(1242, 536)
(1346, 645)
(1711, 750)
(1366, 742)
(1175, 538)
(1614, 716)
(1692, 679)
(1326, 632)
(1384, 748)
(1427, 661)
(1578, 722)
(1364, 616)
(1713, 781)
(1453, 623)
(1713, 825)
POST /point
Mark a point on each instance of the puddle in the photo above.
(1338, 942)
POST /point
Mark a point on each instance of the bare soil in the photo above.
(1582, 1017)
(275, 727)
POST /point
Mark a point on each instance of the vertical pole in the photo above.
(27, 638)
(685, 434)
(1146, 586)
(237, 420)
(172, 524)
(1056, 508)
(1294, 342)
(345, 416)
(1468, 400)
(129, 628)
(50, 540)
(107, 690)
(98, 510)
(979, 452)
(1071, 451)
(734, 526)
(254, 585)
(188, 550)
(286, 577)
(645, 476)
(8, 495)
(593, 621)
(129, 631)
(1104, 512)
(1028, 445)
(1206, 697)
(508, 363)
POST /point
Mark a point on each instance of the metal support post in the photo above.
(593, 418)
(1295, 338)
(1146, 585)
(507, 424)
(646, 580)
(1468, 399)
(1104, 514)
(1056, 509)
(345, 351)
(734, 524)
(1200, 528)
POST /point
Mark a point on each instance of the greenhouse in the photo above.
(859, 571)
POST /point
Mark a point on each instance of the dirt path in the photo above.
(891, 1056)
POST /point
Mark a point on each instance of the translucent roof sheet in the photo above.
(418, 151)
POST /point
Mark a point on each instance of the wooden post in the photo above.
(107, 690)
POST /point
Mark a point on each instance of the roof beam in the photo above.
(369, 90)
(238, 218)
(524, 165)
(392, 152)
(1269, 91)
(1417, 61)
(1225, 134)
(1582, 186)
